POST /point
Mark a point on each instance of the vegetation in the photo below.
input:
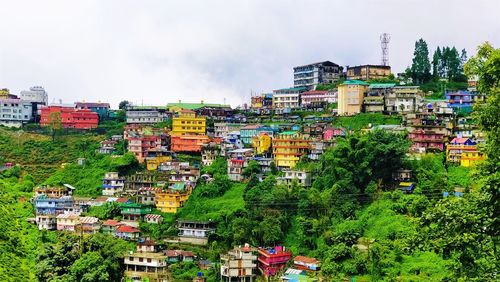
(362, 120)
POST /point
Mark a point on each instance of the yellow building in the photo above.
(261, 143)
(185, 122)
(350, 97)
(368, 72)
(172, 199)
(288, 147)
(152, 163)
(471, 158)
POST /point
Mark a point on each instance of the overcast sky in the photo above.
(155, 52)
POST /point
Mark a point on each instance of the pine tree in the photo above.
(421, 66)
(436, 61)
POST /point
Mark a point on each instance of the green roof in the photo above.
(288, 132)
(381, 85)
(194, 106)
(355, 82)
(178, 186)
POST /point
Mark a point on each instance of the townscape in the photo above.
(277, 189)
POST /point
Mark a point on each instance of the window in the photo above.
(141, 259)
(149, 260)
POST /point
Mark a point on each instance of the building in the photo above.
(133, 213)
(459, 148)
(88, 225)
(109, 226)
(48, 207)
(146, 266)
(368, 72)
(153, 218)
(460, 101)
(38, 97)
(215, 111)
(15, 112)
(235, 167)
(188, 143)
(422, 140)
(403, 99)
(107, 147)
(350, 97)
(145, 115)
(306, 263)
(101, 109)
(271, 260)
(249, 131)
(301, 177)
(68, 117)
(262, 143)
(471, 158)
(112, 184)
(239, 265)
(318, 99)
(173, 198)
(222, 129)
(186, 122)
(127, 232)
(140, 146)
(287, 99)
(288, 147)
(317, 73)
(156, 156)
(209, 152)
(374, 101)
(264, 163)
(194, 232)
(67, 221)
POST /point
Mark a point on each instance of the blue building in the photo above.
(251, 130)
(461, 101)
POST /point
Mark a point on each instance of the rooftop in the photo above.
(354, 82)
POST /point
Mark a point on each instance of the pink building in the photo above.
(272, 260)
(426, 139)
(318, 98)
(332, 132)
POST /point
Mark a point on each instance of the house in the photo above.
(330, 133)
(112, 184)
(188, 143)
(48, 207)
(67, 221)
(68, 117)
(239, 264)
(89, 224)
(146, 266)
(235, 167)
(173, 198)
(145, 115)
(127, 232)
(194, 232)
(403, 99)
(264, 163)
(375, 97)
(422, 140)
(153, 218)
(288, 147)
(318, 98)
(140, 145)
(209, 152)
(271, 260)
(101, 109)
(109, 226)
(186, 122)
(351, 94)
(301, 177)
(156, 156)
(460, 101)
(311, 75)
(368, 72)
(14, 112)
(107, 147)
(221, 129)
(262, 143)
(248, 132)
(306, 263)
(471, 158)
(133, 213)
(287, 99)
(146, 195)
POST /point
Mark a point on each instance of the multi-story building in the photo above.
(375, 96)
(235, 167)
(146, 266)
(145, 115)
(288, 147)
(222, 129)
(140, 146)
(38, 97)
(301, 177)
(318, 99)
(249, 131)
(368, 72)
(133, 213)
(127, 232)
(403, 99)
(317, 73)
(460, 101)
(101, 109)
(465, 148)
(69, 117)
(112, 184)
(48, 207)
(287, 99)
(209, 152)
(262, 143)
(186, 122)
(350, 97)
(194, 232)
(156, 156)
(15, 112)
(272, 260)
(170, 200)
(188, 143)
(422, 140)
(239, 265)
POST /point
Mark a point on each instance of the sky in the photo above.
(156, 52)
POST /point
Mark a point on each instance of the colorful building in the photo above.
(272, 260)
(140, 146)
(127, 232)
(239, 264)
(187, 143)
(186, 122)
(318, 98)
(288, 147)
(249, 131)
(368, 72)
(463, 151)
(146, 266)
(172, 199)
(112, 184)
(101, 109)
(133, 213)
(422, 140)
(350, 97)
(262, 143)
(69, 117)
(461, 101)
(306, 263)
(155, 157)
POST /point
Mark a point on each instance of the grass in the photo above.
(201, 208)
(362, 120)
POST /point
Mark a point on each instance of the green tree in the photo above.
(123, 105)
(421, 67)
(55, 123)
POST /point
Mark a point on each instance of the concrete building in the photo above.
(303, 178)
(186, 122)
(209, 152)
(101, 109)
(287, 99)
(112, 184)
(272, 260)
(15, 112)
(239, 265)
(145, 115)
(288, 147)
(318, 99)
(350, 97)
(311, 75)
(368, 72)
(403, 100)
(194, 232)
(146, 266)
(38, 97)
(173, 198)
(69, 117)
(375, 97)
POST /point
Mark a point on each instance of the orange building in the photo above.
(70, 117)
(187, 143)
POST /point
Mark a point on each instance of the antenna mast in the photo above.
(384, 42)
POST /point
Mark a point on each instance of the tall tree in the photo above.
(436, 60)
(55, 123)
(421, 66)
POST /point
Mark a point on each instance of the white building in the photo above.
(194, 232)
(112, 184)
(15, 112)
(146, 266)
(239, 264)
(404, 99)
(149, 115)
(315, 98)
(317, 73)
(303, 178)
(286, 99)
(36, 94)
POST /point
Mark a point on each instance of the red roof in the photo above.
(112, 222)
(127, 229)
(315, 92)
(305, 259)
(122, 200)
(458, 140)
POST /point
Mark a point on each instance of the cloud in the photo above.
(155, 52)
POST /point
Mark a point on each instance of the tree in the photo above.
(253, 167)
(55, 123)
(436, 60)
(123, 105)
(421, 67)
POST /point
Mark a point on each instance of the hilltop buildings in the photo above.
(368, 72)
(69, 117)
(350, 97)
(311, 75)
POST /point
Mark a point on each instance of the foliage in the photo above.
(459, 176)
(329, 86)
(123, 105)
(108, 210)
(421, 67)
(448, 64)
(362, 120)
